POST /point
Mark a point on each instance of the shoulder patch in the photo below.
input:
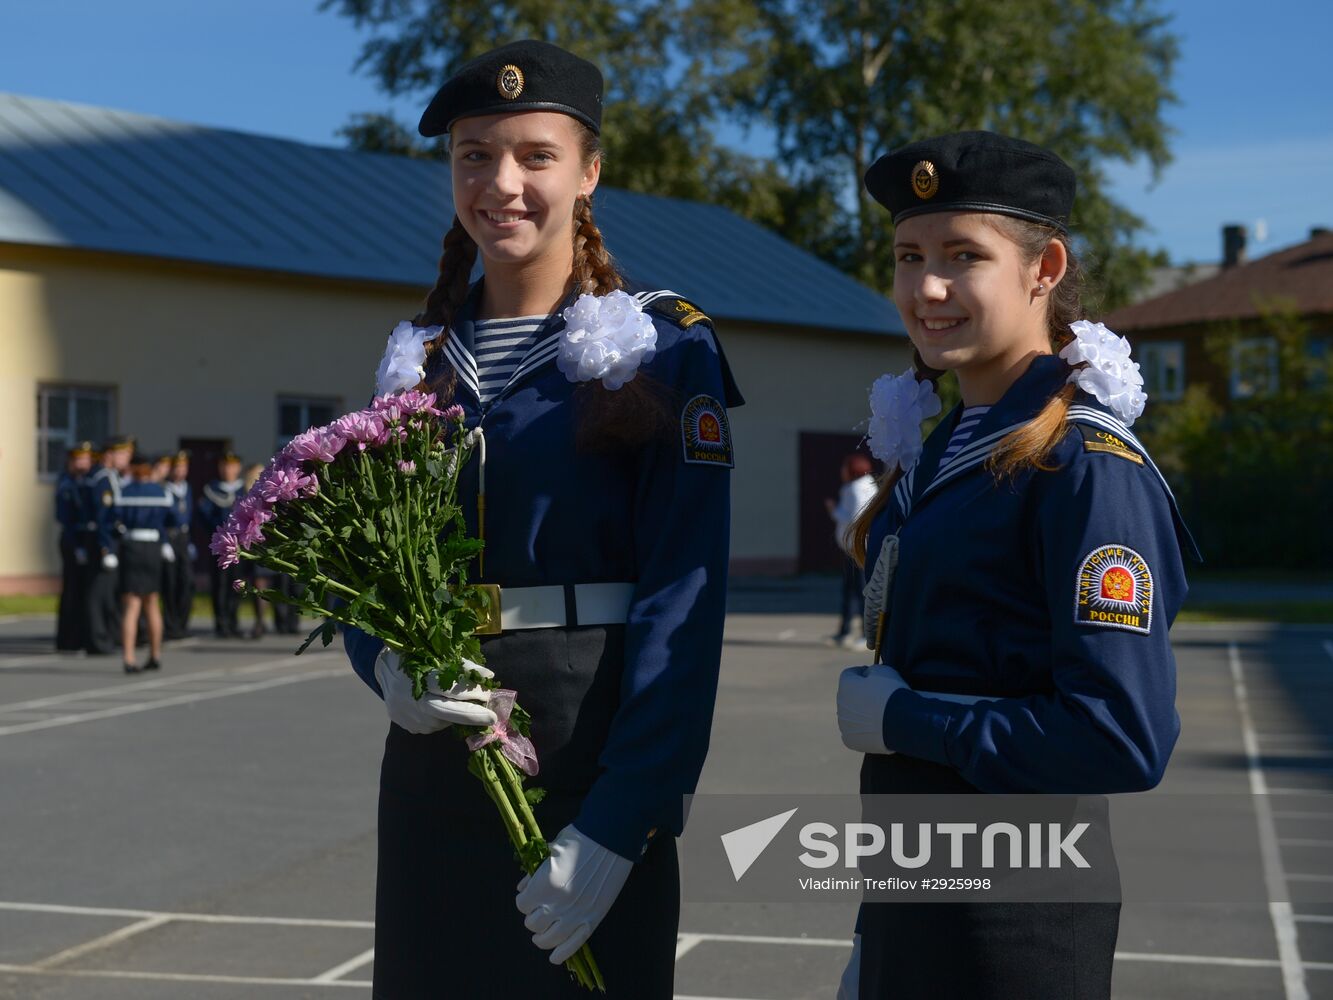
(1114, 589)
(1097, 439)
(706, 433)
(680, 311)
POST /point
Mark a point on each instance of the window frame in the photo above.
(1150, 352)
(43, 434)
(305, 402)
(1238, 349)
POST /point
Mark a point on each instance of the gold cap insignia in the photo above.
(510, 82)
(925, 180)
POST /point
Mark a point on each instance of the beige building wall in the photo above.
(203, 352)
(793, 380)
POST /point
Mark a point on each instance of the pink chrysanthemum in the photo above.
(318, 444)
(226, 546)
(365, 427)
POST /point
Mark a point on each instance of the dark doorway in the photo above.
(820, 462)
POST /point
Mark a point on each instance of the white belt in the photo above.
(562, 606)
(144, 535)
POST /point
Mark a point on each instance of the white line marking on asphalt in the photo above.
(131, 687)
(1313, 918)
(105, 941)
(1297, 814)
(1304, 842)
(685, 944)
(351, 965)
(179, 977)
(1310, 878)
(198, 918)
(1284, 927)
(786, 635)
(184, 699)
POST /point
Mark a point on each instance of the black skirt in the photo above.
(445, 921)
(978, 950)
(140, 567)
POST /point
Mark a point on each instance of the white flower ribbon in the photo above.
(1110, 375)
(898, 405)
(404, 363)
(606, 337)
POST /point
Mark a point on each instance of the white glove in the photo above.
(463, 704)
(862, 694)
(168, 553)
(566, 898)
(81, 556)
(109, 561)
(849, 987)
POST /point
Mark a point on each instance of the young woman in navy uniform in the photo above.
(146, 515)
(1022, 639)
(604, 504)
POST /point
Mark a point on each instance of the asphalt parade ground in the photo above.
(209, 832)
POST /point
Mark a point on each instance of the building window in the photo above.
(66, 415)
(1163, 365)
(296, 414)
(1253, 367)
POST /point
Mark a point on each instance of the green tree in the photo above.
(833, 83)
(657, 133)
(842, 81)
(1255, 477)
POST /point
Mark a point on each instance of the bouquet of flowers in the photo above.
(363, 514)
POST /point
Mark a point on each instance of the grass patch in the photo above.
(26, 604)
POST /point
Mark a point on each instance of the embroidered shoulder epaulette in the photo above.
(672, 307)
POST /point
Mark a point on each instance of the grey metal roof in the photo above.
(99, 179)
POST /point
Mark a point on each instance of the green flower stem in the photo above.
(505, 789)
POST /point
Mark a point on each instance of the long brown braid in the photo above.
(458, 255)
(1031, 445)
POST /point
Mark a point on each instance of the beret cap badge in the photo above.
(925, 180)
(510, 82)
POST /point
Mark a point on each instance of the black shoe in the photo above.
(131, 668)
(152, 665)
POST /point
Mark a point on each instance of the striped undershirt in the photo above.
(967, 424)
(499, 347)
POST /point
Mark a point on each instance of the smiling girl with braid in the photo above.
(1025, 565)
(600, 483)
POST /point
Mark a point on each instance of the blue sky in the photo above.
(1254, 126)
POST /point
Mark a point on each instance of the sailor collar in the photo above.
(1021, 402)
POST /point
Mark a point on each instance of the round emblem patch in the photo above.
(925, 180)
(1114, 589)
(510, 82)
(706, 433)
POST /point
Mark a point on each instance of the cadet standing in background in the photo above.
(178, 576)
(70, 618)
(145, 512)
(218, 498)
(101, 492)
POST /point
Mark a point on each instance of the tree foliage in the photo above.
(835, 83)
(1234, 465)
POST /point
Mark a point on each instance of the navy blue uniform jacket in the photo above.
(659, 519)
(1051, 592)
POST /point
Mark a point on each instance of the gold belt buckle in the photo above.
(490, 624)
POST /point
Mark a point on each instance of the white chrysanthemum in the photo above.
(606, 337)
(1111, 376)
(898, 405)
(404, 363)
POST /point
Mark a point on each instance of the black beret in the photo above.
(974, 172)
(520, 76)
